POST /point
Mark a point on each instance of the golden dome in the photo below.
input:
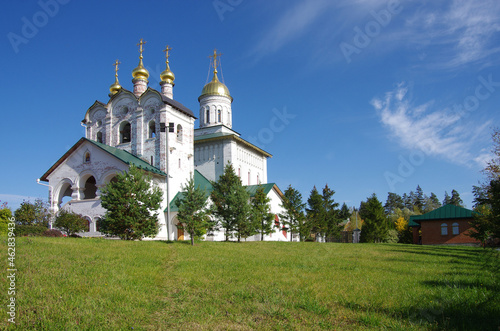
(115, 87)
(140, 72)
(167, 76)
(215, 87)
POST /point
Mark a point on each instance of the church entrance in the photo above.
(180, 234)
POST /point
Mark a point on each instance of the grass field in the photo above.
(69, 283)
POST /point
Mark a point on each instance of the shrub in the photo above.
(70, 222)
(52, 233)
(29, 230)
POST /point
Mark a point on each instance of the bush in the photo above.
(70, 222)
(52, 233)
(29, 230)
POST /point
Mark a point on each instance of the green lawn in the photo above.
(68, 283)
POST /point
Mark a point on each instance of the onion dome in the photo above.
(140, 72)
(215, 87)
(167, 76)
(115, 87)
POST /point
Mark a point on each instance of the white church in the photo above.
(147, 128)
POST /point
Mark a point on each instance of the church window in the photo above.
(444, 229)
(179, 163)
(455, 228)
(125, 132)
(179, 132)
(90, 188)
(239, 172)
(258, 181)
(152, 129)
(152, 159)
(97, 224)
(99, 123)
(249, 178)
(87, 157)
(99, 137)
(87, 224)
(219, 116)
(208, 115)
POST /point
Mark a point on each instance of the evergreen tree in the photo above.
(293, 216)
(419, 199)
(316, 213)
(375, 225)
(407, 201)
(131, 203)
(447, 199)
(263, 219)
(331, 213)
(231, 204)
(344, 212)
(455, 199)
(486, 222)
(393, 201)
(193, 215)
(432, 202)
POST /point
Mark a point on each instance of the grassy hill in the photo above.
(68, 283)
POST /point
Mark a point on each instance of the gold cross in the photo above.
(215, 58)
(116, 67)
(166, 50)
(140, 46)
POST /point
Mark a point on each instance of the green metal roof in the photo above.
(127, 157)
(213, 135)
(252, 189)
(445, 212)
(120, 154)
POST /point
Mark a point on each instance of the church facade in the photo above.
(147, 128)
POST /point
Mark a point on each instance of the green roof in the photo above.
(442, 213)
(120, 154)
(205, 184)
(213, 135)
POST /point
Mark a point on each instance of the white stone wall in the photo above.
(215, 104)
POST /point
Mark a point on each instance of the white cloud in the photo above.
(435, 132)
(14, 201)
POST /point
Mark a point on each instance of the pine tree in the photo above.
(231, 204)
(293, 215)
(344, 212)
(262, 218)
(375, 225)
(447, 199)
(407, 201)
(393, 201)
(332, 219)
(131, 203)
(316, 213)
(432, 202)
(193, 215)
(455, 199)
(419, 199)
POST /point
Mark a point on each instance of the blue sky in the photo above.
(372, 96)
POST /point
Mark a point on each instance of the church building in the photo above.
(147, 128)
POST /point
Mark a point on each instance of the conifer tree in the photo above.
(344, 212)
(375, 225)
(316, 213)
(332, 219)
(455, 199)
(131, 203)
(293, 216)
(262, 218)
(393, 201)
(431, 202)
(193, 215)
(231, 204)
(447, 199)
(419, 199)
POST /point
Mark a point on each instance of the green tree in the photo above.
(375, 225)
(447, 199)
(316, 213)
(231, 204)
(393, 201)
(431, 202)
(344, 212)
(419, 198)
(131, 203)
(293, 215)
(5, 216)
(263, 219)
(455, 199)
(331, 213)
(31, 214)
(70, 222)
(486, 222)
(193, 215)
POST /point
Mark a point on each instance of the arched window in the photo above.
(249, 178)
(97, 222)
(87, 224)
(90, 188)
(125, 132)
(152, 129)
(179, 163)
(444, 229)
(99, 137)
(207, 116)
(87, 157)
(179, 132)
(152, 160)
(219, 116)
(239, 172)
(258, 181)
(455, 228)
